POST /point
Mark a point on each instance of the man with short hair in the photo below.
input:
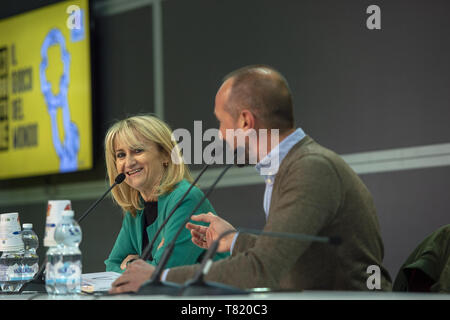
(309, 190)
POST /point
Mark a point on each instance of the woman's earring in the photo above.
(165, 164)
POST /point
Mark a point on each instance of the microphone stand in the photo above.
(37, 284)
(167, 288)
(155, 285)
(119, 179)
(146, 253)
(197, 286)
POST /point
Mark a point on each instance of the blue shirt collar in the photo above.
(269, 165)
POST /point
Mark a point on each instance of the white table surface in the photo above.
(304, 295)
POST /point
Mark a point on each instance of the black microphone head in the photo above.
(335, 240)
(119, 179)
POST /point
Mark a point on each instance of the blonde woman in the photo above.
(142, 148)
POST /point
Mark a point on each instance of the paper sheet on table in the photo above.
(98, 281)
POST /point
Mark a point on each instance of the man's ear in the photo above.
(247, 120)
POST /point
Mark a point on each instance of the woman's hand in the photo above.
(130, 259)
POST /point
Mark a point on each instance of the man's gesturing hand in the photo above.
(205, 236)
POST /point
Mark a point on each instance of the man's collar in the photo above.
(270, 164)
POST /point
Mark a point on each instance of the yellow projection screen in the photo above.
(45, 91)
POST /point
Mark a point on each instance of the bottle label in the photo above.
(68, 273)
(49, 274)
(14, 273)
(3, 273)
(28, 271)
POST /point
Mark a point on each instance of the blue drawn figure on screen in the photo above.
(68, 150)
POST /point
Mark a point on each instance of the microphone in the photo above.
(197, 286)
(170, 289)
(147, 252)
(155, 285)
(38, 283)
(118, 180)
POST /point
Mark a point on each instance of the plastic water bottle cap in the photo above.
(27, 226)
(68, 213)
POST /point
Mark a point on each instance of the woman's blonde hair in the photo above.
(131, 131)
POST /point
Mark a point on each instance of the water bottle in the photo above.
(30, 257)
(11, 245)
(11, 270)
(53, 255)
(67, 269)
